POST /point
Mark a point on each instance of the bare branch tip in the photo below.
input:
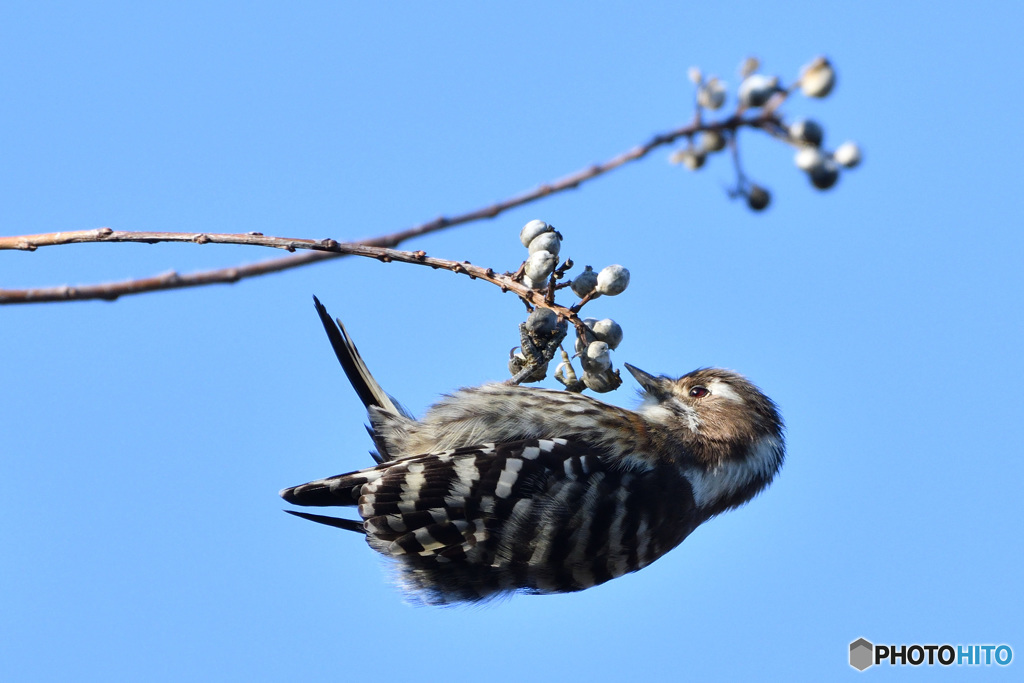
(768, 120)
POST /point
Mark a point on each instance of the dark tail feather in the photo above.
(370, 393)
(321, 494)
(338, 522)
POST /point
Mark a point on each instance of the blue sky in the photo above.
(144, 441)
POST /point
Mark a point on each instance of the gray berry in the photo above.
(807, 131)
(601, 382)
(582, 342)
(584, 283)
(542, 321)
(608, 331)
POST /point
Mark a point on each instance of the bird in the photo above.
(501, 488)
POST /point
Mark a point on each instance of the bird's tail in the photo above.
(342, 490)
(370, 393)
(387, 416)
(336, 522)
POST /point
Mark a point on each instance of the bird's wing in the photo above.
(452, 468)
(547, 515)
(464, 483)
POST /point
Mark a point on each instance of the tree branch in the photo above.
(324, 248)
(109, 291)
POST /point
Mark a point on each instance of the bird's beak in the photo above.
(649, 382)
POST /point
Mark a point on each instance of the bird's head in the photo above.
(730, 429)
(713, 404)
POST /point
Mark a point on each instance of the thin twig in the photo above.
(324, 247)
(172, 280)
(741, 177)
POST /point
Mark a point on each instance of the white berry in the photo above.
(612, 280)
(547, 241)
(693, 159)
(711, 141)
(847, 154)
(531, 230)
(711, 95)
(689, 157)
(818, 78)
(539, 267)
(809, 158)
(757, 89)
(597, 357)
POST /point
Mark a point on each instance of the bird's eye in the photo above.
(699, 392)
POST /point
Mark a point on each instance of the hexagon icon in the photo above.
(861, 654)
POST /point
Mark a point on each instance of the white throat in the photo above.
(710, 487)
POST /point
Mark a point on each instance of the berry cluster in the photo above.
(542, 333)
(765, 94)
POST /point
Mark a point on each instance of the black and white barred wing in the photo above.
(543, 515)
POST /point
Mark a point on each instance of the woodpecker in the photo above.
(502, 488)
